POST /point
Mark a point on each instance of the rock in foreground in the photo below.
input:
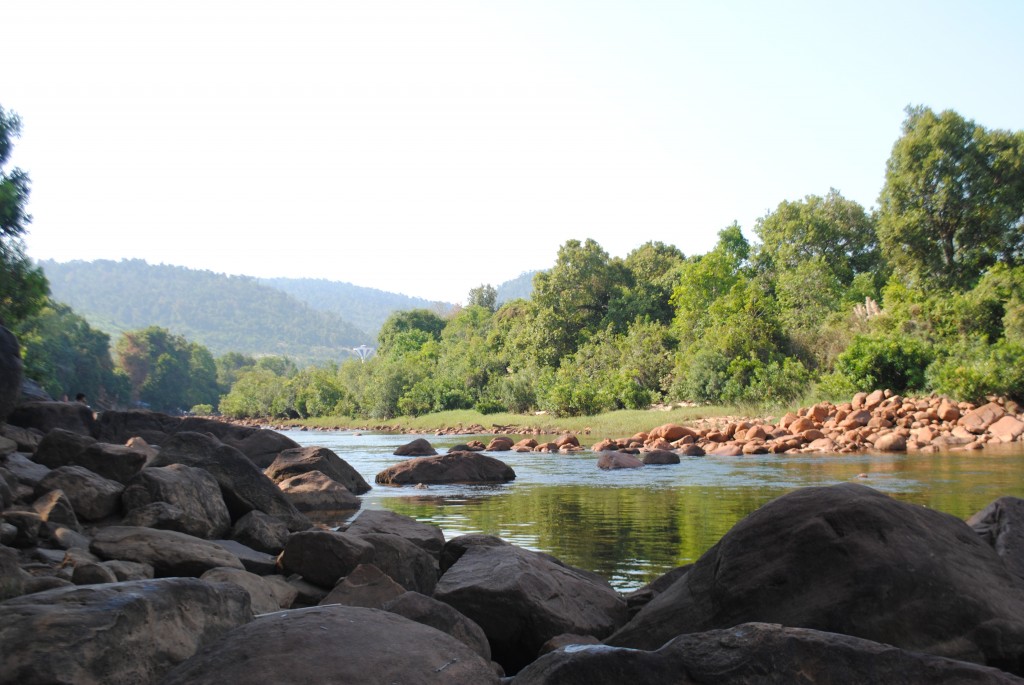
(454, 467)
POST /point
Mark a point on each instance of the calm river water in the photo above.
(630, 526)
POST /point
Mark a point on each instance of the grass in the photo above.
(614, 424)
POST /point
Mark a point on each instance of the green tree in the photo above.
(420, 320)
(165, 370)
(705, 278)
(485, 296)
(23, 287)
(953, 200)
(653, 269)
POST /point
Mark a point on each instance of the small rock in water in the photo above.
(420, 486)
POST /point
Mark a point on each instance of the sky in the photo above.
(429, 147)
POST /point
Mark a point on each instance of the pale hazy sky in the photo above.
(427, 147)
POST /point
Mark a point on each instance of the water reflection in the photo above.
(631, 526)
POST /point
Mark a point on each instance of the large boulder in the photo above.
(405, 562)
(314, 492)
(169, 552)
(431, 612)
(651, 457)
(323, 556)
(366, 586)
(65, 448)
(334, 644)
(261, 594)
(131, 632)
(45, 416)
(260, 531)
(1001, 524)
(611, 461)
(848, 559)
(92, 496)
(424, 535)
(294, 462)
(522, 599)
(765, 654)
(10, 372)
(195, 491)
(420, 447)
(244, 486)
(978, 420)
(454, 467)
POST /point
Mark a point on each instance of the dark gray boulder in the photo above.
(1001, 525)
(522, 599)
(755, 654)
(65, 448)
(260, 531)
(454, 467)
(652, 457)
(293, 462)
(117, 633)
(169, 552)
(848, 559)
(323, 557)
(424, 535)
(92, 496)
(319, 496)
(403, 561)
(193, 490)
(244, 487)
(444, 617)
(420, 447)
(45, 416)
(334, 644)
(261, 595)
(366, 586)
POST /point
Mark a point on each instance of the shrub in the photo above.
(201, 410)
(894, 361)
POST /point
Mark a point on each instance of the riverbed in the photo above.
(630, 526)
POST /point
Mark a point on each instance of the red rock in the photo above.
(605, 445)
(1007, 429)
(948, 411)
(874, 399)
(800, 425)
(609, 461)
(891, 442)
(978, 420)
(670, 431)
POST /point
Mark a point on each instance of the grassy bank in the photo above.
(611, 424)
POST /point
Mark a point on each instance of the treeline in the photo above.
(924, 293)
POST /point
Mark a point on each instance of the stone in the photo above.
(25, 470)
(978, 420)
(800, 425)
(605, 445)
(525, 443)
(261, 595)
(638, 599)
(114, 462)
(335, 644)
(670, 432)
(659, 457)
(132, 632)
(243, 486)
(26, 439)
(162, 515)
(420, 447)
(301, 460)
(1001, 525)
(314, 491)
(426, 536)
(568, 440)
(456, 467)
(891, 442)
(948, 411)
(169, 552)
(508, 592)
(253, 561)
(499, 444)
(92, 496)
(92, 574)
(1007, 429)
(404, 561)
(55, 508)
(12, 578)
(848, 559)
(610, 461)
(755, 653)
(193, 490)
(61, 447)
(261, 532)
(323, 557)
(855, 419)
(431, 612)
(691, 450)
(45, 416)
(366, 586)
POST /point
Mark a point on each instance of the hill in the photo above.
(366, 308)
(519, 287)
(223, 313)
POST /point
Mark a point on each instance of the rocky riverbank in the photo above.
(141, 548)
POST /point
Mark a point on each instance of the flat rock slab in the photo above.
(454, 467)
(761, 653)
(116, 633)
(169, 552)
(335, 644)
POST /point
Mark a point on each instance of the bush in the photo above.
(973, 370)
(894, 361)
(201, 410)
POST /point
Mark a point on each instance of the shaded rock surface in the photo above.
(169, 552)
(848, 559)
(121, 633)
(755, 653)
(313, 491)
(1001, 524)
(425, 535)
(334, 644)
(522, 599)
(444, 617)
(323, 556)
(294, 462)
(420, 447)
(194, 491)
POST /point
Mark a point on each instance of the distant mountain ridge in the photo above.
(223, 313)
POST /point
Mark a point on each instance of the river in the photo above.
(630, 526)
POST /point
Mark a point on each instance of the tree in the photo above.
(420, 320)
(23, 287)
(653, 270)
(485, 296)
(953, 200)
(166, 371)
(706, 278)
(831, 230)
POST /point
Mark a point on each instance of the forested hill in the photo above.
(366, 308)
(223, 313)
(520, 287)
